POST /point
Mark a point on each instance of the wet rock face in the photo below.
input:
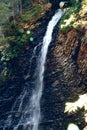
(65, 77)
(71, 53)
(82, 58)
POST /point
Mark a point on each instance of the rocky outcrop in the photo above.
(71, 50)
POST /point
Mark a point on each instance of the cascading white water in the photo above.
(37, 93)
(31, 113)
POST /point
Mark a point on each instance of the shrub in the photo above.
(15, 39)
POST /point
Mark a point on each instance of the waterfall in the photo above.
(37, 93)
(29, 115)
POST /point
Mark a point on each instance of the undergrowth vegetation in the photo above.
(15, 39)
(70, 16)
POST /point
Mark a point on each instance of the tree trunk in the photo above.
(20, 7)
(13, 12)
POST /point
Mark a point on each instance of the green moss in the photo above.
(70, 16)
(67, 28)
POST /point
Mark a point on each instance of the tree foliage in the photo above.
(4, 12)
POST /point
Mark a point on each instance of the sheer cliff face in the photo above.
(69, 60)
(65, 75)
(69, 56)
(71, 52)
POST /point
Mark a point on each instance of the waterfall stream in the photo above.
(28, 116)
(37, 93)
